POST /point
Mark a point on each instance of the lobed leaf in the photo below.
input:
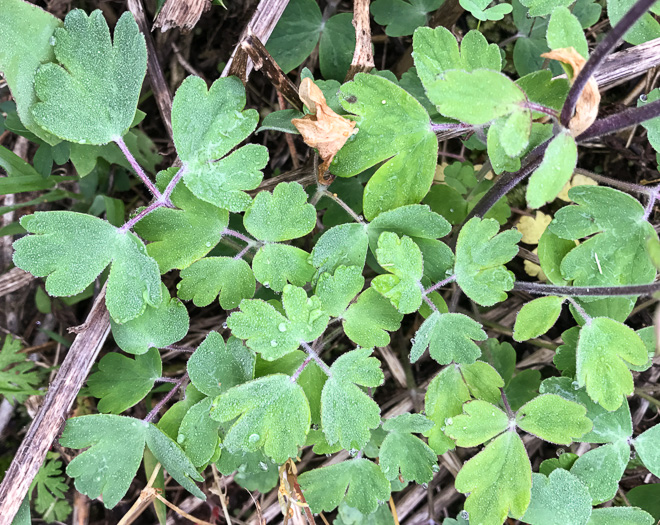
(367, 321)
(547, 492)
(479, 423)
(600, 469)
(554, 419)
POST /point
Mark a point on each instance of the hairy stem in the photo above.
(539, 108)
(172, 184)
(440, 284)
(154, 412)
(599, 55)
(618, 121)
(507, 406)
(302, 367)
(312, 353)
(451, 127)
(345, 207)
(137, 168)
(587, 318)
(238, 235)
(141, 215)
(587, 291)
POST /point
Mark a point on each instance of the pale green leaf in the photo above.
(402, 17)
(336, 291)
(544, 7)
(275, 265)
(369, 318)
(553, 418)
(198, 433)
(341, 245)
(479, 422)
(565, 30)
(647, 445)
(405, 455)
(601, 469)
(620, 516)
(537, 317)
(561, 487)
(483, 381)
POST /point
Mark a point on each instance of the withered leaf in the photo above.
(586, 109)
(324, 130)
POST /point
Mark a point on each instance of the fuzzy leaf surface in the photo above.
(71, 249)
(554, 419)
(277, 265)
(403, 454)
(347, 412)
(481, 254)
(601, 469)
(647, 445)
(358, 482)
(338, 290)
(479, 422)
(555, 170)
(537, 317)
(402, 17)
(271, 413)
(341, 245)
(231, 280)
(122, 382)
(559, 486)
(198, 433)
(449, 337)
(92, 95)
(367, 320)
(620, 516)
(399, 130)
(18, 379)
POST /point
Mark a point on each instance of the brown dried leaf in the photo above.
(586, 109)
(325, 130)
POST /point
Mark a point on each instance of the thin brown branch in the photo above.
(363, 57)
(181, 13)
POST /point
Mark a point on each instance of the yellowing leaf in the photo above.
(586, 109)
(325, 130)
(577, 180)
(533, 227)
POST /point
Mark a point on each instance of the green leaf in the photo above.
(620, 516)
(560, 498)
(652, 126)
(296, 34)
(477, 8)
(179, 237)
(92, 96)
(122, 382)
(198, 433)
(480, 257)
(553, 418)
(336, 46)
(18, 378)
(554, 172)
(347, 412)
(282, 215)
(270, 333)
(25, 44)
(479, 423)
(336, 291)
(157, 327)
(171, 420)
(449, 337)
(551, 251)
(204, 280)
(501, 356)
(444, 399)
(410, 151)
(645, 29)
(544, 7)
(646, 497)
(499, 480)
(369, 318)
(483, 381)
(206, 125)
(403, 259)
(349, 516)
(607, 426)
(51, 489)
(537, 317)
(402, 17)
(604, 350)
(404, 454)
(358, 482)
(271, 412)
(647, 445)
(174, 460)
(215, 367)
(601, 468)
(459, 95)
(275, 265)
(565, 30)
(341, 245)
(523, 387)
(253, 470)
(108, 466)
(72, 249)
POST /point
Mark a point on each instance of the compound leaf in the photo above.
(72, 249)
(179, 237)
(347, 412)
(383, 109)
(647, 445)
(404, 454)
(604, 349)
(92, 96)
(157, 327)
(341, 245)
(121, 382)
(282, 215)
(499, 480)
(18, 378)
(272, 334)
(537, 317)
(369, 318)
(403, 259)
(336, 46)
(108, 466)
(216, 367)
(358, 482)
(402, 17)
(553, 418)
(206, 125)
(275, 265)
(271, 412)
(547, 492)
(51, 491)
(230, 279)
(601, 469)
(479, 422)
(336, 291)
(449, 337)
(480, 257)
(544, 7)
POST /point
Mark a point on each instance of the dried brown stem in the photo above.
(181, 13)
(363, 57)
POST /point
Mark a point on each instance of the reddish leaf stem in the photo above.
(587, 291)
(137, 168)
(168, 396)
(312, 353)
(440, 284)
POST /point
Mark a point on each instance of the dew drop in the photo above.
(383, 101)
(180, 439)
(575, 385)
(208, 244)
(435, 468)
(273, 343)
(253, 438)
(224, 325)
(560, 451)
(642, 97)
(464, 514)
(425, 485)
(263, 466)
(52, 41)
(448, 421)
(353, 452)
(282, 327)
(266, 284)
(412, 340)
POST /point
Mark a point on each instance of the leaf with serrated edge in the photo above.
(92, 96)
(359, 482)
(155, 328)
(215, 367)
(479, 422)
(449, 337)
(121, 382)
(553, 418)
(499, 480)
(347, 412)
(104, 468)
(483, 381)
(537, 317)
(270, 412)
(71, 249)
(367, 321)
(231, 280)
(275, 265)
(620, 516)
(601, 469)
(547, 492)
(403, 454)
(604, 349)
(402, 17)
(480, 257)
